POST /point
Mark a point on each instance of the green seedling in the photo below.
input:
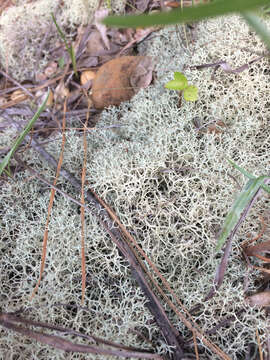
(20, 138)
(180, 83)
(241, 203)
(69, 48)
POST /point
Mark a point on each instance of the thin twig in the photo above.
(9, 321)
(17, 83)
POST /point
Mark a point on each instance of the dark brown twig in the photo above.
(225, 66)
(9, 321)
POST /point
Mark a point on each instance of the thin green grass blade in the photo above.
(243, 200)
(73, 60)
(20, 138)
(242, 171)
(247, 174)
(70, 48)
(256, 22)
(177, 16)
(60, 32)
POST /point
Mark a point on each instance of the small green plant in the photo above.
(241, 203)
(19, 140)
(180, 83)
(70, 48)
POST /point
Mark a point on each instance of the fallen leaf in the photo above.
(216, 128)
(50, 69)
(142, 74)
(139, 36)
(87, 78)
(113, 83)
(17, 95)
(255, 250)
(94, 44)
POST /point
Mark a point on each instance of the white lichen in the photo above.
(169, 184)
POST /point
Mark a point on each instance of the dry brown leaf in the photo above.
(51, 69)
(17, 95)
(60, 92)
(216, 127)
(94, 44)
(139, 35)
(41, 95)
(256, 250)
(142, 74)
(113, 83)
(142, 5)
(87, 78)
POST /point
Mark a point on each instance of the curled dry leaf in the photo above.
(50, 69)
(60, 92)
(260, 299)
(138, 36)
(141, 77)
(142, 5)
(41, 94)
(216, 128)
(87, 77)
(259, 250)
(119, 79)
(95, 45)
(17, 95)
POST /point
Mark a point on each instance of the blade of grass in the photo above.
(70, 48)
(248, 175)
(20, 138)
(256, 22)
(240, 204)
(177, 16)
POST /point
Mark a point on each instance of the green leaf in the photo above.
(247, 174)
(257, 23)
(175, 85)
(191, 93)
(212, 9)
(240, 204)
(242, 171)
(179, 83)
(73, 60)
(180, 77)
(20, 138)
(70, 48)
